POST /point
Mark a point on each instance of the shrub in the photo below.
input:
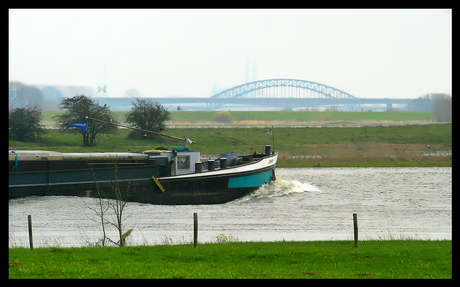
(223, 117)
(24, 124)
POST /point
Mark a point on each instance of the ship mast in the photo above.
(186, 140)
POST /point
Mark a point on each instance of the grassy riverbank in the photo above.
(298, 117)
(275, 117)
(313, 259)
(370, 146)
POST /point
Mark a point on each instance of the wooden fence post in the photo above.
(195, 230)
(31, 240)
(355, 228)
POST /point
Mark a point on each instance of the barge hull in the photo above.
(211, 187)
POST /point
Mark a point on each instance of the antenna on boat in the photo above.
(186, 140)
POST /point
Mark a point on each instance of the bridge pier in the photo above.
(389, 106)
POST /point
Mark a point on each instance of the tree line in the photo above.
(24, 122)
(25, 114)
(439, 104)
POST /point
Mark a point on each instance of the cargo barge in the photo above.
(159, 176)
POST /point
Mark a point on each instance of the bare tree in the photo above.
(21, 95)
(118, 205)
(14, 94)
(442, 108)
(100, 211)
(111, 206)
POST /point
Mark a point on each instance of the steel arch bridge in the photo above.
(283, 88)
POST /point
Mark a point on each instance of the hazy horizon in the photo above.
(192, 53)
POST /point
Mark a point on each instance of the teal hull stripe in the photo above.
(254, 180)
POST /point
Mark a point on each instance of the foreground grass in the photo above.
(314, 259)
(375, 146)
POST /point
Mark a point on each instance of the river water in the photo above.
(303, 204)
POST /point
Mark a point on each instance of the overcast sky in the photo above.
(367, 53)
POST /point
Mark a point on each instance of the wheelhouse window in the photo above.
(183, 162)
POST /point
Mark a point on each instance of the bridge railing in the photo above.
(248, 89)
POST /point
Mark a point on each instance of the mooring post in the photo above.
(355, 228)
(31, 240)
(195, 230)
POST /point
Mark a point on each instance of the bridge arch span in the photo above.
(248, 90)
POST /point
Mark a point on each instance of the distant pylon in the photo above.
(254, 68)
(102, 91)
(248, 68)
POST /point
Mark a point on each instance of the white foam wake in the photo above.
(281, 187)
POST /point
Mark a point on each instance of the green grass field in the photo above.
(337, 146)
(301, 117)
(276, 117)
(307, 260)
